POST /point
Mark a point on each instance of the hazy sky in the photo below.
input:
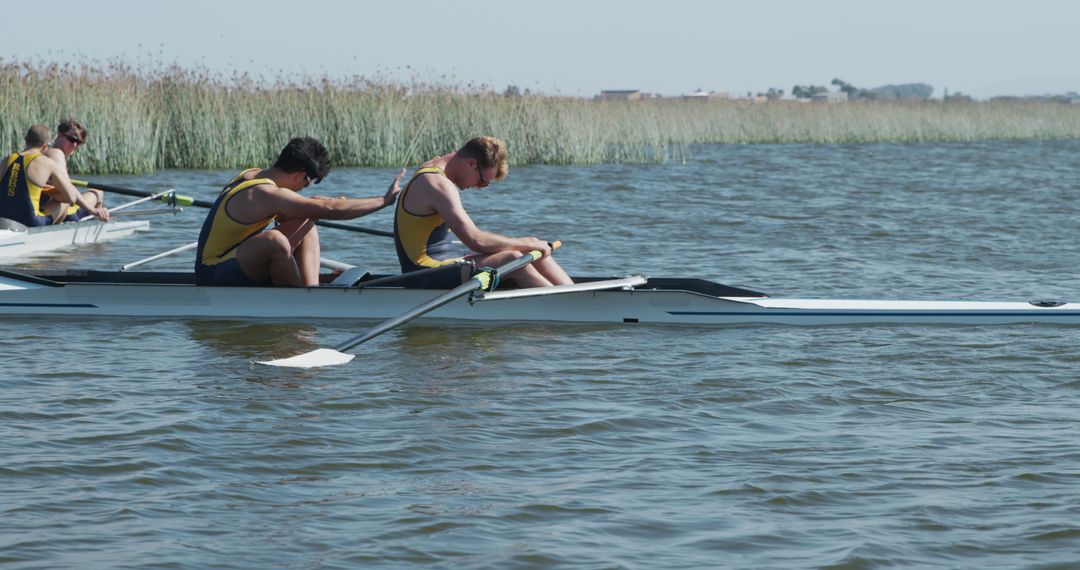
(578, 47)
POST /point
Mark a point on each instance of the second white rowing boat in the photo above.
(18, 241)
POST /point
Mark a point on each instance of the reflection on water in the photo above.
(254, 340)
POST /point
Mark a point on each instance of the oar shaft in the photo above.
(337, 226)
(465, 288)
(146, 260)
(139, 201)
(334, 265)
(147, 212)
(113, 189)
(205, 204)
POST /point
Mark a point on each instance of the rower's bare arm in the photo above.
(395, 188)
(288, 204)
(64, 191)
(449, 206)
(292, 205)
(62, 188)
(59, 178)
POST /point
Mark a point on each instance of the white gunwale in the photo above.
(661, 301)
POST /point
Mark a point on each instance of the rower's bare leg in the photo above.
(304, 238)
(56, 210)
(93, 199)
(269, 254)
(552, 271)
(527, 276)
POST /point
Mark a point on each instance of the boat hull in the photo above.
(15, 245)
(668, 301)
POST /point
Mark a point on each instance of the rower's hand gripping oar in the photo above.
(486, 279)
(189, 201)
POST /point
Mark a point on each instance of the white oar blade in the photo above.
(313, 359)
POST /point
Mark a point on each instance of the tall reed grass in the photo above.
(142, 120)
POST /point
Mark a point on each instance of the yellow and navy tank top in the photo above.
(417, 237)
(20, 198)
(221, 234)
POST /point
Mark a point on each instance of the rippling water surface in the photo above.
(153, 443)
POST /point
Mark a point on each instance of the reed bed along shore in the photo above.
(142, 120)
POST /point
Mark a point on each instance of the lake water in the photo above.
(154, 443)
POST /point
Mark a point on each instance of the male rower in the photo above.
(430, 213)
(236, 244)
(29, 175)
(61, 204)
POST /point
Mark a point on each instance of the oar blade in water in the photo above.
(331, 356)
(313, 359)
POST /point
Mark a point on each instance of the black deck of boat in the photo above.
(45, 277)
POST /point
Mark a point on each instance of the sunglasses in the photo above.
(483, 183)
(74, 139)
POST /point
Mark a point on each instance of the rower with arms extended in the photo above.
(235, 245)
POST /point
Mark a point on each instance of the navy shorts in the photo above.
(78, 215)
(439, 277)
(39, 221)
(227, 274)
(451, 250)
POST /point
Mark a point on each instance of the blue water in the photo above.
(153, 443)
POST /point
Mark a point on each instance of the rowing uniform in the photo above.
(20, 197)
(424, 241)
(221, 235)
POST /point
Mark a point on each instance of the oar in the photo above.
(485, 279)
(323, 262)
(168, 197)
(205, 204)
(158, 256)
(177, 199)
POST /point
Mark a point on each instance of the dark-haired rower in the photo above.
(237, 245)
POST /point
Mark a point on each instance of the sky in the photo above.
(981, 48)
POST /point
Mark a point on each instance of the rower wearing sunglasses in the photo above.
(261, 231)
(61, 200)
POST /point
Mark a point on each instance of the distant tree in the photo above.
(852, 91)
(772, 94)
(512, 91)
(909, 91)
(808, 91)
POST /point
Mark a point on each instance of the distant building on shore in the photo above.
(957, 97)
(619, 95)
(830, 97)
(701, 95)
